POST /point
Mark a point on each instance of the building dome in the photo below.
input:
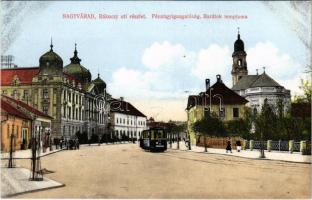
(50, 62)
(99, 84)
(77, 70)
(239, 44)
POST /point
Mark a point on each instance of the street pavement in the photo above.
(126, 171)
(16, 181)
(273, 155)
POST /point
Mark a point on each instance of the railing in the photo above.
(277, 145)
(258, 145)
(281, 145)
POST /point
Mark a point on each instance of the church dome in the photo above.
(51, 60)
(77, 70)
(99, 84)
(239, 44)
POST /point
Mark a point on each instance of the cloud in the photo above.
(213, 60)
(279, 65)
(165, 54)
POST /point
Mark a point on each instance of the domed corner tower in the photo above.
(100, 85)
(239, 67)
(51, 63)
(75, 69)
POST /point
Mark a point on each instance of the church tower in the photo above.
(239, 67)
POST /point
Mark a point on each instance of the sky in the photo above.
(156, 63)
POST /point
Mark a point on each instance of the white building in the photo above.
(126, 120)
(255, 88)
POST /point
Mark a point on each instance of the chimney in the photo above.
(219, 80)
(207, 83)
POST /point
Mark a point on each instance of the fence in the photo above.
(280, 145)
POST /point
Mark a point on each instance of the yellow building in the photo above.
(217, 99)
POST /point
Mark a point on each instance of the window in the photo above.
(15, 94)
(117, 120)
(4, 92)
(45, 109)
(69, 96)
(64, 112)
(124, 121)
(235, 112)
(239, 62)
(45, 93)
(25, 96)
(69, 112)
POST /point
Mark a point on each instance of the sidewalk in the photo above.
(16, 181)
(273, 155)
(25, 154)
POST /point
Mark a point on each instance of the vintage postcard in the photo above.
(156, 99)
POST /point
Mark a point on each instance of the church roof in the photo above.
(265, 80)
(251, 81)
(245, 82)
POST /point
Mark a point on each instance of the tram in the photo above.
(154, 139)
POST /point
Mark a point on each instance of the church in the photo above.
(255, 88)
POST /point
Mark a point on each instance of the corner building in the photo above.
(68, 94)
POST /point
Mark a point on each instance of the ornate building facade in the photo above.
(68, 94)
(255, 88)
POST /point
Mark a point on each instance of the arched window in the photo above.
(239, 62)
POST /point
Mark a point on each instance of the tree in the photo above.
(307, 91)
(265, 124)
(209, 126)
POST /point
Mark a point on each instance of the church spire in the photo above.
(238, 35)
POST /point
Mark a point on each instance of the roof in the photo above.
(265, 80)
(24, 74)
(228, 96)
(250, 81)
(119, 106)
(11, 110)
(245, 82)
(25, 106)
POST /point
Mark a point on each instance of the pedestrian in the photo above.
(228, 146)
(238, 145)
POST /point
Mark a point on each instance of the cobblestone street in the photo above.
(125, 171)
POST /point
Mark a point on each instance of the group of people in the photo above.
(69, 143)
(229, 146)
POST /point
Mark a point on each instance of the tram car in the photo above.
(154, 139)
